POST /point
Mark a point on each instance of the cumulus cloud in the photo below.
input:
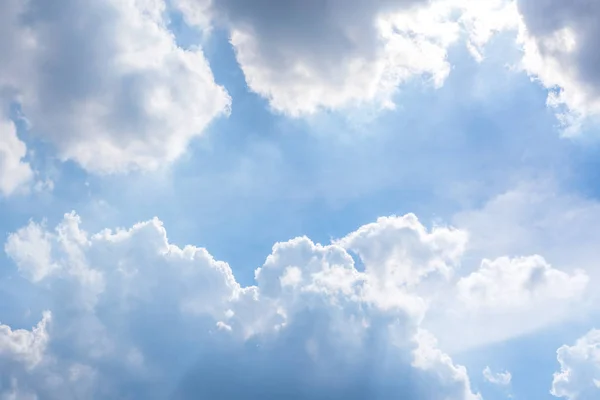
(519, 284)
(579, 376)
(561, 51)
(22, 346)
(15, 173)
(304, 56)
(354, 52)
(523, 292)
(22, 353)
(104, 82)
(559, 45)
(497, 378)
(402, 252)
(505, 298)
(133, 313)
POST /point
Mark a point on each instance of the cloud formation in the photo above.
(561, 50)
(104, 82)
(131, 311)
(14, 171)
(353, 52)
(505, 298)
(519, 284)
(579, 376)
(497, 378)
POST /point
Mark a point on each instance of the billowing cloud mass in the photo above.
(307, 55)
(21, 352)
(579, 376)
(304, 56)
(14, 171)
(562, 50)
(360, 52)
(133, 313)
(104, 82)
(403, 253)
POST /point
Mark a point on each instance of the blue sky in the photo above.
(394, 211)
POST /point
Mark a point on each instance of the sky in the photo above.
(300, 199)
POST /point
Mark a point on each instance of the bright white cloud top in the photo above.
(579, 376)
(244, 122)
(313, 325)
(14, 171)
(354, 52)
(313, 318)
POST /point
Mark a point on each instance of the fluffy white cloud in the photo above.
(22, 346)
(579, 376)
(22, 353)
(497, 378)
(401, 252)
(14, 171)
(519, 284)
(505, 298)
(354, 52)
(530, 219)
(104, 81)
(133, 313)
(303, 56)
(560, 40)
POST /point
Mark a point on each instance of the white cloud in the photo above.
(22, 346)
(25, 365)
(482, 19)
(579, 376)
(558, 39)
(535, 218)
(561, 51)
(31, 249)
(427, 356)
(15, 173)
(506, 298)
(313, 324)
(401, 252)
(506, 231)
(519, 284)
(497, 378)
(353, 52)
(104, 81)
